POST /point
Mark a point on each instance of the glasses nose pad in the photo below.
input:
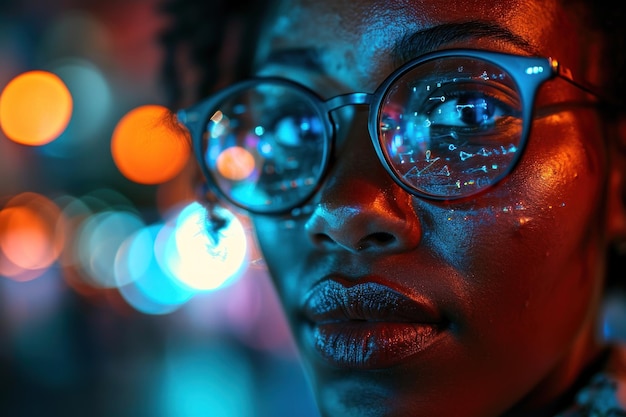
(342, 120)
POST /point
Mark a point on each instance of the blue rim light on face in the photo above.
(445, 126)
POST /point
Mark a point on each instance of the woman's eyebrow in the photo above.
(306, 58)
(407, 47)
(431, 39)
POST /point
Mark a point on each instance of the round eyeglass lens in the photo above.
(265, 146)
(451, 127)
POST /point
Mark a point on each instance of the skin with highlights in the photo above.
(509, 283)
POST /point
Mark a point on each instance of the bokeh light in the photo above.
(150, 289)
(31, 235)
(149, 146)
(91, 94)
(195, 371)
(98, 241)
(235, 163)
(35, 108)
(205, 263)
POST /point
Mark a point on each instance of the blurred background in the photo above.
(113, 301)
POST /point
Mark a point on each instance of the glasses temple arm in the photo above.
(566, 74)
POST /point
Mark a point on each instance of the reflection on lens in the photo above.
(451, 126)
(235, 163)
(266, 145)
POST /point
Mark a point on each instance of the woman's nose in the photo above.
(359, 206)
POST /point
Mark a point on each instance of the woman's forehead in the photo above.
(365, 31)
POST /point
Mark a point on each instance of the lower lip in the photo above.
(371, 345)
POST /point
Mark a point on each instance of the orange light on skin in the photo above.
(149, 146)
(235, 163)
(31, 235)
(35, 108)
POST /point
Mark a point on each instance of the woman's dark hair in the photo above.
(202, 33)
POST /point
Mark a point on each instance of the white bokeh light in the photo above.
(201, 263)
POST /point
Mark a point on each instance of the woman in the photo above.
(434, 186)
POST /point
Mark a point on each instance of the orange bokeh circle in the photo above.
(35, 108)
(149, 146)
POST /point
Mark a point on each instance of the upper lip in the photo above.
(332, 300)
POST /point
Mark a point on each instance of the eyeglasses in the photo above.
(447, 125)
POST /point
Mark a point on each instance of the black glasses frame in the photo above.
(528, 73)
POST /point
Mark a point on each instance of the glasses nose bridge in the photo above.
(345, 100)
(350, 99)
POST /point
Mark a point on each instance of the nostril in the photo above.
(323, 239)
(371, 227)
(379, 239)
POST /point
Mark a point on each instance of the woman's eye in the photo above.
(466, 110)
(475, 110)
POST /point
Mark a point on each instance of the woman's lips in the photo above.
(368, 325)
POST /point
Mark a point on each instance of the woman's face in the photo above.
(405, 306)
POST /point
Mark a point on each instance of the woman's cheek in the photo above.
(562, 171)
(285, 248)
(536, 214)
